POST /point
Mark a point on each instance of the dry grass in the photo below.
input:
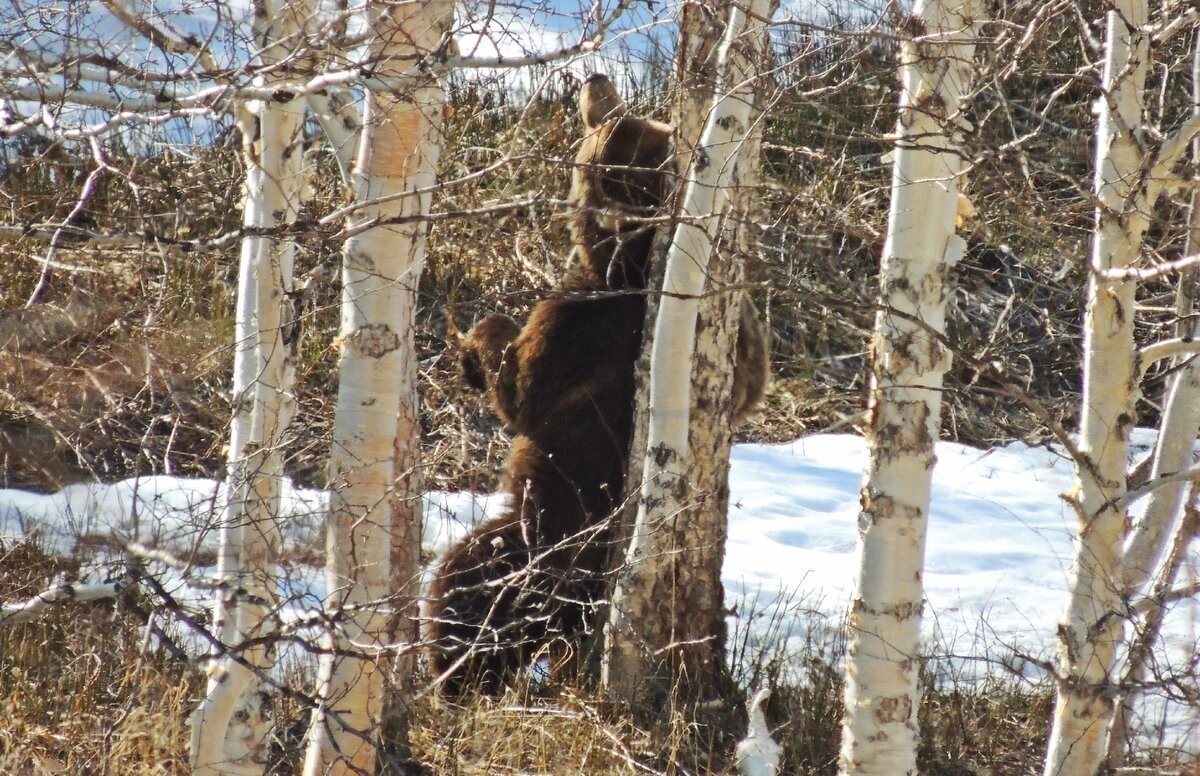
(138, 383)
(563, 736)
(82, 690)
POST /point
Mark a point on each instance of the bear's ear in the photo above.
(599, 101)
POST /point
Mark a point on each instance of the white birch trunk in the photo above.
(879, 729)
(725, 317)
(1173, 453)
(338, 116)
(1091, 631)
(1180, 419)
(398, 154)
(1146, 637)
(264, 374)
(1163, 517)
(645, 577)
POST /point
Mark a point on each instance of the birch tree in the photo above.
(1089, 635)
(1181, 412)
(113, 96)
(267, 80)
(263, 388)
(639, 645)
(1166, 514)
(373, 534)
(726, 319)
(1110, 564)
(879, 728)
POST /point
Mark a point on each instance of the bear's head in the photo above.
(622, 172)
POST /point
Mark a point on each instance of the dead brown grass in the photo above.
(564, 736)
(82, 690)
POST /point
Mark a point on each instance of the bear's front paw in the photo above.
(482, 349)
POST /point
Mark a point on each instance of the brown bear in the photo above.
(564, 385)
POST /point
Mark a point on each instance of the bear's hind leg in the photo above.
(482, 630)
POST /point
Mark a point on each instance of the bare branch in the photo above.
(1133, 494)
(61, 592)
(1172, 150)
(586, 44)
(1181, 593)
(85, 195)
(161, 34)
(1165, 349)
(1150, 273)
(1176, 25)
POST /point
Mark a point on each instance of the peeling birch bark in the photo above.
(264, 376)
(1091, 631)
(634, 646)
(879, 729)
(1163, 519)
(367, 535)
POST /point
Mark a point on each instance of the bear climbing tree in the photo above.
(531, 578)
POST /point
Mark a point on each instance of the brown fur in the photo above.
(564, 384)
